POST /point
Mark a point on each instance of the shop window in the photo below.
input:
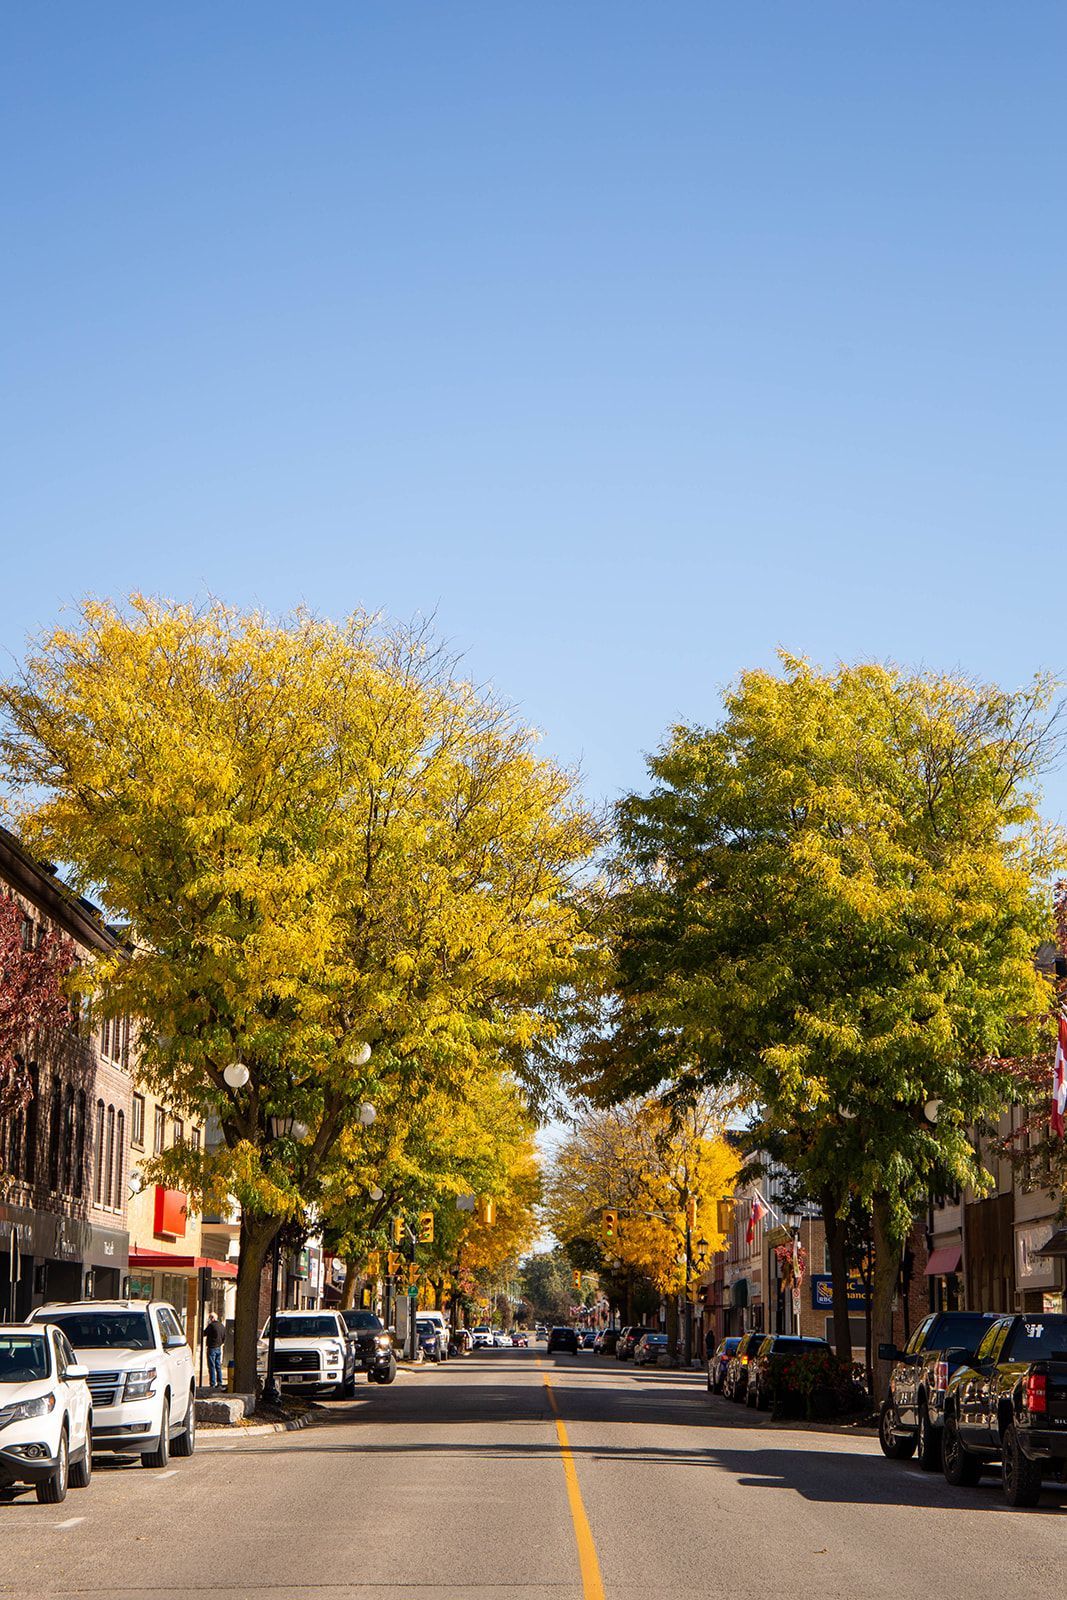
(98, 1179)
(137, 1125)
(159, 1136)
(109, 1159)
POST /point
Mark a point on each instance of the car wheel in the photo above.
(389, 1375)
(929, 1445)
(897, 1446)
(161, 1454)
(81, 1472)
(54, 1487)
(1022, 1477)
(957, 1463)
(185, 1443)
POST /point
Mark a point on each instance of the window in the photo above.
(195, 1139)
(98, 1179)
(29, 1167)
(27, 933)
(105, 1037)
(159, 1136)
(79, 1146)
(179, 1131)
(120, 1159)
(109, 1158)
(137, 1125)
(55, 1135)
(125, 1044)
(68, 1140)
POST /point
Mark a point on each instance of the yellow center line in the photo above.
(588, 1565)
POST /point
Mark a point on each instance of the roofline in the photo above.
(31, 879)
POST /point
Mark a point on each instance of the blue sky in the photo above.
(634, 340)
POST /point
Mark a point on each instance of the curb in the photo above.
(255, 1430)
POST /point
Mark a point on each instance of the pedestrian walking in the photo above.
(214, 1339)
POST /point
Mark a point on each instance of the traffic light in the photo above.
(577, 1280)
(374, 1263)
(426, 1228)
(413, 1274)
(724, 1215)
(486, 1209)
(394, 1259)
(398, 1230)
(611, 1224)
(691, 1211)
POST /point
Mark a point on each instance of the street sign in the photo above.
(413, 1293)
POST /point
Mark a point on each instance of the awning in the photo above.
(159, 1260)
(1056, 1246)
(943, 1261)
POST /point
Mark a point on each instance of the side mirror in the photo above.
(888, 1352)
(175, 1341)
(75, 1373)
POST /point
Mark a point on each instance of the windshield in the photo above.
(303, 1328)
(360, 1321)
(963, 1333)
(105, 1330)
(23, 1357)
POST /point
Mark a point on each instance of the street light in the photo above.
(236, 1075)
(287, 1128)
(358, 1055)
(932, 1110)
(367, 1113)
(376, 1194)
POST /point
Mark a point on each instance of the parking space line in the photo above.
(173, 1473)
(71, 1522)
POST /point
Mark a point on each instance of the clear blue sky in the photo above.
(633, 339)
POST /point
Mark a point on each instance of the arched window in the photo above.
(120, 1158)
(55, 1134)
(79, 1146)
(29, 1166)
(109, 1160)
(98, 1180)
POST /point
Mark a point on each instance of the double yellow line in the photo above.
(589, 1566)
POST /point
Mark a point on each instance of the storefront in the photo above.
(161, 1275)
(1039, 1266)
(48, 1257)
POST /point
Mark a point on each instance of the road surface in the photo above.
(511, 1475)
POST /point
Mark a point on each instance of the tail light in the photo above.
(1035, 1392)
(941, 1376)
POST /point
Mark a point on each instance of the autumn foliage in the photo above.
(32, 998)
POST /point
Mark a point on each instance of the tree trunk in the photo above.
(348, 1292)
(885, 1272)
(836, 1246)
(257, 1236)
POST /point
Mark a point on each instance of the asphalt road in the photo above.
(479, 1479)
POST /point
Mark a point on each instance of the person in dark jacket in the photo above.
(214, 1339)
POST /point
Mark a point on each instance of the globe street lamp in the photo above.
(367, 1113)
(236, 1075)
(358, 1055)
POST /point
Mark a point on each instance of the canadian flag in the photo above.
(1058, 1113)
(758, 1210)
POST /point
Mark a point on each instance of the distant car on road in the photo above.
(605, 1342)
(428, 1340)
(588, 1338)
(735, 1385)
(913, 1412)
(628, 1340)
(141, 1375)
(649, 1348)
(759, 1388)
(521, 1340)
(502, 1341)
(563, 1339)
(719, 1360)
(312, 1350)
(45, 1412)
(375, 1354)
(482, 1337)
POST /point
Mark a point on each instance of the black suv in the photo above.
(563, 1339)
(735, 1384)
(914, 1408)
(374, 1345)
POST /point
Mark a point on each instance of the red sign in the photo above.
(171, 1208)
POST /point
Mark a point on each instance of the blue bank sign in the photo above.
(822, 1293)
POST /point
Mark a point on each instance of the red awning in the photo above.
(190, 1264)
(942, 1261)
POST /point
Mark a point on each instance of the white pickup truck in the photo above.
(141, 1375)
(312, 1350)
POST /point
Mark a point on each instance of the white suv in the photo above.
(45, 1413)
(312, 1350)
(141, 1375)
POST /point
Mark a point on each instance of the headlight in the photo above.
(139, 1384)
(21, 1410)
(383, 1341)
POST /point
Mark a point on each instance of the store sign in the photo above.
(171, 1210)
(1031, 1268)
(822, 1292)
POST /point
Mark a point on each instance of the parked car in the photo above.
(541, 1331)
(563, 1339)
(735, 1384)
(628, 1339)
(649, 1348)
(462, 1342)
(760, 1385)
(374, 1352)
(443, 1336)
(588, 1338)
(312, 1350)
(141, 1376)
(45, 1412)
(913, 1410)
(428, 1341)
(482, 1337)
(605, 1342)
(501, 1340)
(719, 1360)
(1010, 1404)
(521, 1340)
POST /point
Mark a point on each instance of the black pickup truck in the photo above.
(374, 1346)
(1010, 1403)
(912, 1413)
